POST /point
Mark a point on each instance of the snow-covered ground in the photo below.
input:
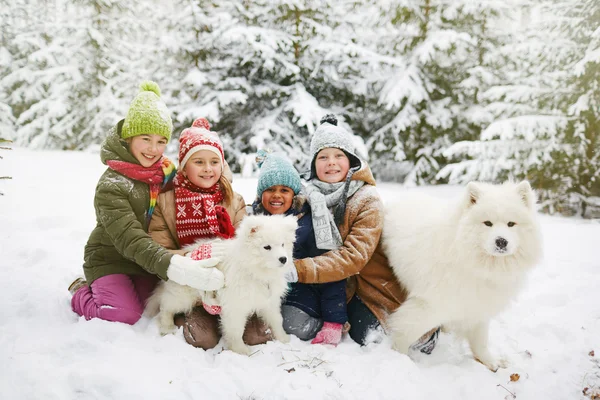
(48, 352)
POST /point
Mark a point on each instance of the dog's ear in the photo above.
(473, 193)
(291, 223)
(249, 226)
(255, 227)
(526, 194)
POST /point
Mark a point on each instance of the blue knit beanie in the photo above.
(276, 170)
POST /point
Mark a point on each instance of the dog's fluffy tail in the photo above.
(153, 302)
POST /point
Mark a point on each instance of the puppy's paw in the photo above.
(283, 337)
(167, 330)
(240, 349)
(400, 344)
(492, 363)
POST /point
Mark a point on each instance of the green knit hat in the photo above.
(147, 114)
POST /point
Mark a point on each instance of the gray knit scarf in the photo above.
(323, 197)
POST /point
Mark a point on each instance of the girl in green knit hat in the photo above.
(122, 263)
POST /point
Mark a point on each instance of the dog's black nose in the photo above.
(282, 260)
(501, 243)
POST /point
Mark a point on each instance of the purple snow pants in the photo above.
(118, 297)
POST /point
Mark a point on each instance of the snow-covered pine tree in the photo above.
(275, 69)
(514, 100)
(582, 134)
(7, 34)
(543, 130)
(75, 67)
(195, 68)
(35, 68)
(429, 93)
(3, 143)
(7, 121)
(116, 50)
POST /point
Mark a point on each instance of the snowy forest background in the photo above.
(436, 91)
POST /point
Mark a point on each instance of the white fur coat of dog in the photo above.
(462, 262)
(254, 264)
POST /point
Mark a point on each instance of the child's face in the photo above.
(332, 165)
(147, 149)
(203, 169)
(277, 199)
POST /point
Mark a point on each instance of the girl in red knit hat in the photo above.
(201, 205)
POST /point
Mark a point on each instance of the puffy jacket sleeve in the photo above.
(364, 222)
(126, 232)
(238, 209)
(158, 228)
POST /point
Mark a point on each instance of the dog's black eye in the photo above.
(511, 224)
(281, 244)
(488, 223)
(267, 247)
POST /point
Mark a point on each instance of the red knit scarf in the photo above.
(198, 213)
(158, 176)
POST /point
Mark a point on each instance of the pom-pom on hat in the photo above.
(147, 114)
(199, 137)
(330, 135)
(276, 170)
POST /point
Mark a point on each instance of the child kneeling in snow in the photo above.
(278, 193)
(347, 214)
(202, 205)
(122, 262)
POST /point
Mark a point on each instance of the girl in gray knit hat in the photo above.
(347, 218)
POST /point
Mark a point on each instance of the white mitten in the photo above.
(291, 274)
(212, 249)
(198, 274)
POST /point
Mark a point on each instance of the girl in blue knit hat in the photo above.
(278, 193)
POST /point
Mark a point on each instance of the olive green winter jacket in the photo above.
(120, 243)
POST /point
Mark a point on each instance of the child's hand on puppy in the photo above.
(212, 249)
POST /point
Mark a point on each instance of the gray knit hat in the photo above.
(329, 134)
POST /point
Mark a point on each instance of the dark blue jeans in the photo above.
(326, 301)
(305, 325)
(361, 319)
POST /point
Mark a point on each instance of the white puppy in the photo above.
(461, 261)
(254, 265)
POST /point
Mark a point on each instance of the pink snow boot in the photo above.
(330, 333)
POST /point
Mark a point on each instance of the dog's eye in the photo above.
(511, 224)
(488, 223)
(281, 244)
(267, 247)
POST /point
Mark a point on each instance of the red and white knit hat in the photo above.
(199, 137)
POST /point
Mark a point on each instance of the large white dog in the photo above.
(254, 265)
(461, 261)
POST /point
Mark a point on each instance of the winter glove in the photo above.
(291, 274)
(210, 303)
(197, 274)
(212, 249)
